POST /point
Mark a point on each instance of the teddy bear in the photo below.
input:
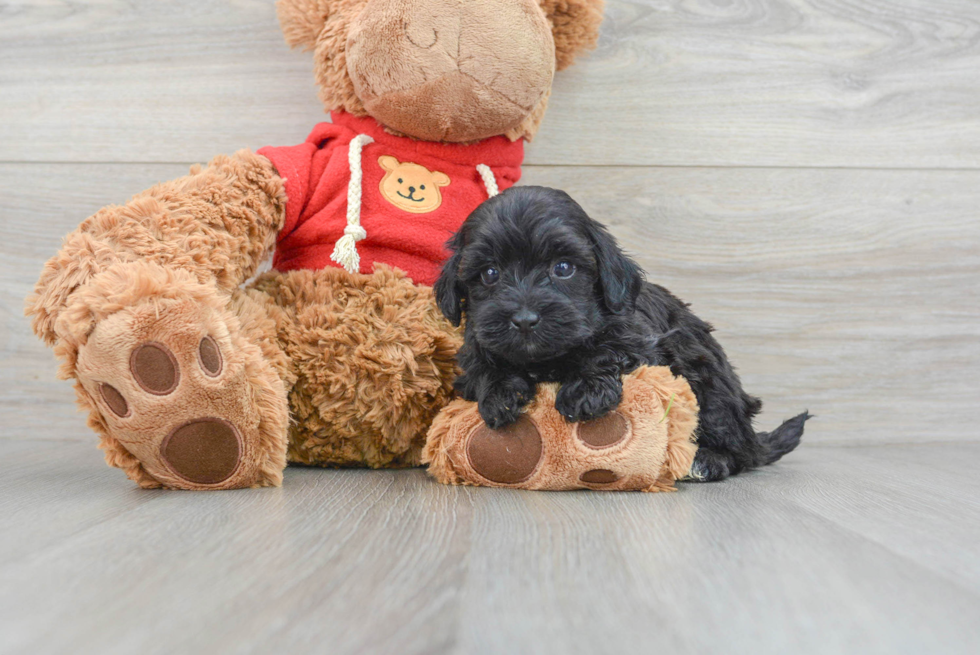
(196, 372)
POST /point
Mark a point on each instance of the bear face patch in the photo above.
(411, 187)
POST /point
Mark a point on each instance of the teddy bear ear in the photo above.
(440, 178)
(574, 25)
(302, 21)
(388, 162)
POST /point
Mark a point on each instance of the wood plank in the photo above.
(779, 561)
(52, 490)
(219, 572)
(845, 83)
(851, 293)
(737, 567)
(912, 500)
(39, 204)
(855, 294)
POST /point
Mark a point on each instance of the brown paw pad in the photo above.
(114, 400)
(205, 451)
(599, 476)
(209, 357)
(603, 432)
(155, 369)
(506, 456)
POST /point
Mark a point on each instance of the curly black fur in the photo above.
(530, 324)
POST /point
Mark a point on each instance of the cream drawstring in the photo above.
(345, 252)
(489, 181)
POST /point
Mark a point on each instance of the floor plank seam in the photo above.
(842, 444)
(747, 167)
(879, 544)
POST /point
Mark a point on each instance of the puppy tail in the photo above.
(783, 439)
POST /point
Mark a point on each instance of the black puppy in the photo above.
(549, 297)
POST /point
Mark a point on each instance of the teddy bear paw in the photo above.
(646, 443)
(179, 387)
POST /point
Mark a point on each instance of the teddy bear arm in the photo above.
(217, 223)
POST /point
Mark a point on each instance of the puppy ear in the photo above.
(620, 278)
(450, 293)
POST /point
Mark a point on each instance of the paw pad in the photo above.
(155, 369)
(209, 356)
(205, 451)
(506, 456)
(603, 432)
(114, 400)
(599, 476)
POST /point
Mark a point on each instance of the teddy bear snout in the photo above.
(451, 73)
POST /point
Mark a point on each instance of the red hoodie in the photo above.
(414, 194)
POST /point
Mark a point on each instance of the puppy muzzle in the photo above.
(529, 327)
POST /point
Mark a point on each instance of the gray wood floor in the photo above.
(838, 549)
(805, 172)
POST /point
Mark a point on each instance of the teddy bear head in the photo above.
(441, 70)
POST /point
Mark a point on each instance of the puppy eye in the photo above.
(564, 269)
(490, 275)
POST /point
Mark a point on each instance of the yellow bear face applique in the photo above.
(411, 187)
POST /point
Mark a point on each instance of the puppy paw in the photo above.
(587, 399)
(502, 403)
(711, 466)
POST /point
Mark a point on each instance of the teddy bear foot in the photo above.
(644, 444)
(179, 387)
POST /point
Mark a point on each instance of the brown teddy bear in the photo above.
(338, 356)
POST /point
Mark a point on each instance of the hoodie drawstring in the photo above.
(489, 181)
(345, 252)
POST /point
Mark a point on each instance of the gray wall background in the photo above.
(805, 172)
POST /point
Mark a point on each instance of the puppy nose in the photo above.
(525, 320)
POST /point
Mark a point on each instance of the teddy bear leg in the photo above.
(185, 383)
(374, 361)
(646, 443)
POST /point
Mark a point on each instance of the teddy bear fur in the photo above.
(302, 344)
(325, 27)
(145, 306)
(646, 444)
